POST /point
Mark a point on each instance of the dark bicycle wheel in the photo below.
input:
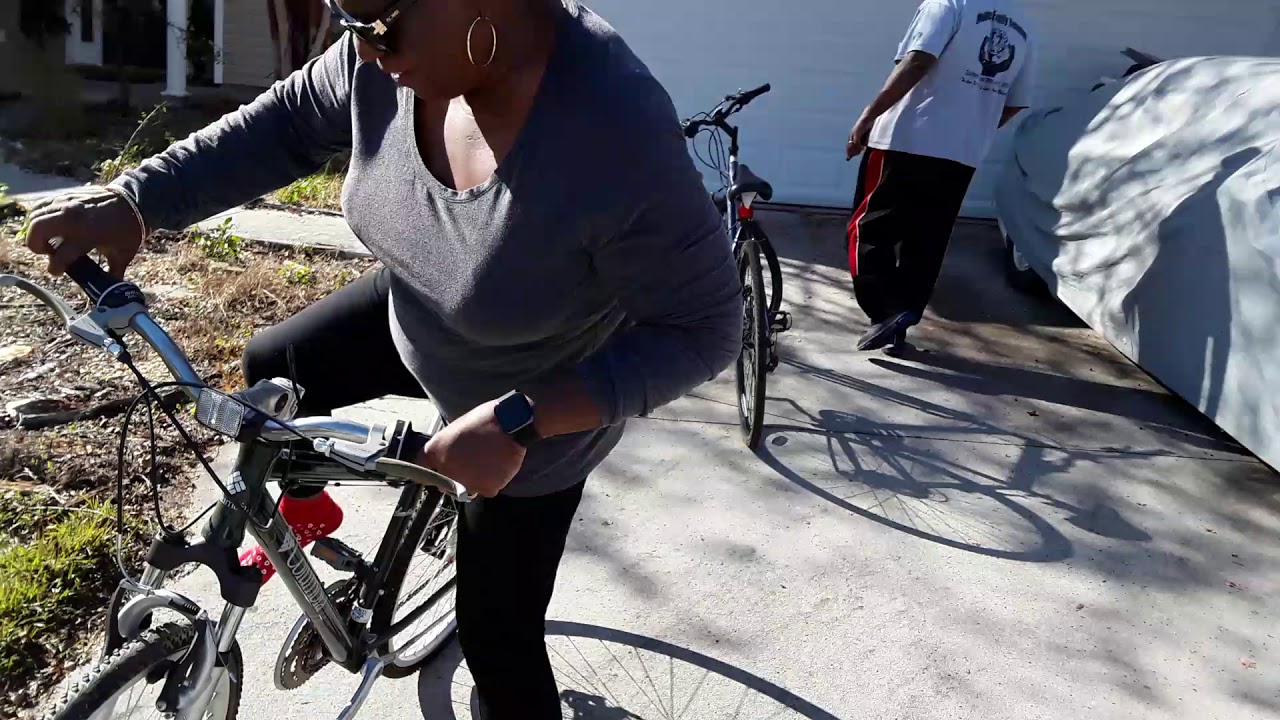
(751, 366)
(775, 274)
(423, 572)
(126, 684)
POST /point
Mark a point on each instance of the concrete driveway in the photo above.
(1013, 522)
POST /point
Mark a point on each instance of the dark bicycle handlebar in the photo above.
(109, 293)
(730, 105)
(102, 288)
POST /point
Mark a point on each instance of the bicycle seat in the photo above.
(749, 182)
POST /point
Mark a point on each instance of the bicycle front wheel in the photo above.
(422, 578)
(755, 350)
(126, 685)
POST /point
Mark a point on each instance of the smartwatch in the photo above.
(514, 413)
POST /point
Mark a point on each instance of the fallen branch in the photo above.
(40, 421)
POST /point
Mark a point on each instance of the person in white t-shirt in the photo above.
(965, 68)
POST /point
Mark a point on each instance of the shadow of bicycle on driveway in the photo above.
(609, 674)
(915, 488)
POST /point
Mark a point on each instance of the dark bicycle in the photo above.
(387, 617)
(762, 314)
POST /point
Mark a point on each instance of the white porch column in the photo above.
(219, 13)
(176, 54)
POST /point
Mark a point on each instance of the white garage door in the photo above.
(827, 58)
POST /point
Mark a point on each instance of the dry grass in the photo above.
(211, 307)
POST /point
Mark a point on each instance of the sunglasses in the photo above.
(377, 33)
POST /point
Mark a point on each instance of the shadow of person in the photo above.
(1105, 521)
(586, 706)
(1180, 308)
(1166, 414)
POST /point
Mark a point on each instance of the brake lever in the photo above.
(372, 454)
(84, 327)
(55, 303)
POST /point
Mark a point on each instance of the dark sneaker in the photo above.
(899, 346)
(884, 332)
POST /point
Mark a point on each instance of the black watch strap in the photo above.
(526, 435)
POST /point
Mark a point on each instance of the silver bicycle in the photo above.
(387, 617)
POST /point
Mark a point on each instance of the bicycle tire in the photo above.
(134, 662)
(775, 274)
(415, 536)
(750, 369)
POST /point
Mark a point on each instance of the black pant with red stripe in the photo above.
(904, 210)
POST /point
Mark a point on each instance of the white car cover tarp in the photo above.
(1152, 207)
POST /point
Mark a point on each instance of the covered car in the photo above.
(1151, 208)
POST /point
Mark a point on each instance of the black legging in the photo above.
(508, 548)
(342, 350)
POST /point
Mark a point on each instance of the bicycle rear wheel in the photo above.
(775, 274)
(423, 573)
(751, 370)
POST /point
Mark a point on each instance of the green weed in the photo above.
(297, 274)
(219, 243)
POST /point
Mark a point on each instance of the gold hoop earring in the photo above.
(493, 46)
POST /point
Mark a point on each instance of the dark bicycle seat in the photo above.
(749, 182)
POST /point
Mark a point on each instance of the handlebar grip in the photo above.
(691, 129)
(90, 276)
(753, 94)
(103, 289)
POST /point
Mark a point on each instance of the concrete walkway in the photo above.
(1013, 522)
(29, 188)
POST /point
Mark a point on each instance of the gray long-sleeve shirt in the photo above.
(593, 247)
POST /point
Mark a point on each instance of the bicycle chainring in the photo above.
(303, 654)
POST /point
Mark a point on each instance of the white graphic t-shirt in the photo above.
(986, 61)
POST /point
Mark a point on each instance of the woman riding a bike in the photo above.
(551, 265)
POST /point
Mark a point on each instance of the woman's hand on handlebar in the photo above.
(475, 452)
(85, 219)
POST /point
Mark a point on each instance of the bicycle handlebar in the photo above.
(120, 305)
(750, 95)
(103, 289)
(730, 105)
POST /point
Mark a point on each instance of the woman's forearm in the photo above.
(285, 134)
(563, 404)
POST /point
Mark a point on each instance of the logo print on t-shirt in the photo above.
(997, 53)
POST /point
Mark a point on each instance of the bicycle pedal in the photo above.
(780, 322)
(337, 555)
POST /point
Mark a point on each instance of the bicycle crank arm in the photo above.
(372, 671)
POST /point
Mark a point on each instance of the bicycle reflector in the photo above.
(220, 413)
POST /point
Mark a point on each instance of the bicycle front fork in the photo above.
(190, 684)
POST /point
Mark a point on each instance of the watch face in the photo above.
(513, 412)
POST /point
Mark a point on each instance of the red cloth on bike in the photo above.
(310, 518)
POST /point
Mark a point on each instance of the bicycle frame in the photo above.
(740, 222)
(344, 637)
